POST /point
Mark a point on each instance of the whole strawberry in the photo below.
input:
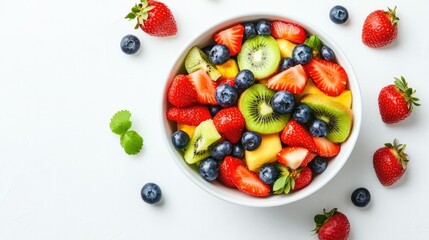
(396, 101)
(380, 28)
(229, 123)
(154, 18)
(332, 225)
(390, 163)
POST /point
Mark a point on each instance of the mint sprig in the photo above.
(120, 122)
(130, 140)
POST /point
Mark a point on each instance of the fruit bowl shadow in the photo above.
(233, 195)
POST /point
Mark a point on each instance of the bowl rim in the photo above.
(270, 201)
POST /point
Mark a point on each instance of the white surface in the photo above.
(63, 174)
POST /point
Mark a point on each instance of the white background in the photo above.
(63, 174)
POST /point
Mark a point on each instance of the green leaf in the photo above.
(319, 219)
(120, 122)
(132, 142)
(130, 16)
(135, 9)
(287, 188)
(314, 43)
(279, 184)
(136, 26)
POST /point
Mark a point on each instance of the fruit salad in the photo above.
(263, 108)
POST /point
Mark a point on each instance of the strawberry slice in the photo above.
(224, 170)
(192, 115)
(294, 157)
(229, 81)
(204, 86)
(248, 181)
(231, 37)
(329, 77)
(293, 80)
(230, 123)
(181, 92)
(289, 31)
(303, 178)
(296, 135)
(326, 148)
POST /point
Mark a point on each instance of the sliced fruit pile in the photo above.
(263, 109)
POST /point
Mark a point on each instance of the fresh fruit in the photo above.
(326, 148)
(332, 225)
(263, 27)
(338, 117)
(289, 31)
(196, 60)
(286, 47)
(361, 197)
(230, 123)
(265, 153)
(192, 115)
(204, 137)
(249, 30)
(180, 139)
(396, 101)
(214, 109)
(294, 157)
(229, 81)
(315, 44)
(303, 178)
(318, 165)
(224, 172)
(231, 37)
(246, 180)
(181, 92)
(318, 128)
(302, 113)
(328, 76)
(327, 53)
(292, 80)
(221, 150)
(244, 79)
(380, 28)
(390, 163)
(229, 69)
(154, 18)
(204, 86)
(251, 140)
(344, 98)
(219, 54)
(209, 169)
(226, 95)
(302, 54)
(130, 44)
(255, 104)
(286, 63)
(151, 193)
(237, 151)
(268, 173)
(296, 135)
(259, 54)
(283, 102)
(339, 14)
(189, 129)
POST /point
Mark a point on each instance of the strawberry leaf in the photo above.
(279, 185)
(130, 16)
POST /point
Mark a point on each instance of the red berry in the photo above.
(289, 31)
(192, 115)
(231, 37)
(293, 80)
(390, 163)
(380, 28)
(229, 123)
(181, 92)
(302, 178)
(296, 135)
(333, 225)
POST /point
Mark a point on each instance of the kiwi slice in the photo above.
(261, 55)
(338, 117)
(200, 145)
(197, 59)
(255, 105)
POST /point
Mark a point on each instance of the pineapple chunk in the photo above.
(265, 153)
(229, 69)
(286, 47)
(186, 128)
(344, 98)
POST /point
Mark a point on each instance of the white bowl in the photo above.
(234, 195)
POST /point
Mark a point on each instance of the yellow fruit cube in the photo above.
(265, 153)
(286, 47)
(345, 97)
(186, 128)
(229, 69)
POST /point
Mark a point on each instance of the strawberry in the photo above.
(390, 163)
(231, 37)
(246, 180)
(154, 18)
(224, 172)
(333, 225)
(230, 123)
(396, 101)
(292, 79)
(204, 86)
(296, 135)
(329, 77)
(289, 31)
(302, 178)
(230, 81)
(294, 157)
(380, 28)
(326, 148)
(181, 92)
(192, 115)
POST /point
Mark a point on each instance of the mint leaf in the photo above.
(132, 142)
(120, 122)
(314, 43)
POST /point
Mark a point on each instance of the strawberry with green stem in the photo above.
(380, 28)
(332, 225)
(390, 163)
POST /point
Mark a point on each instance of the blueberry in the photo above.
(244, 79)
(283, 102)
(221, 150)
(361, 197)
(339, 14)
(286, 63)
(219, 54)
(151, 193)
(209, 169)
(319, 128)
(302, 113)
(180, 139)
(249, 30)
(207, 49)
(263, 27)
(327, 53)
(318, 165)
(251, 140)
(130, 44)
(213, 109)
(237, 151)
(268, 173)
(226, 95)
(302, 54)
